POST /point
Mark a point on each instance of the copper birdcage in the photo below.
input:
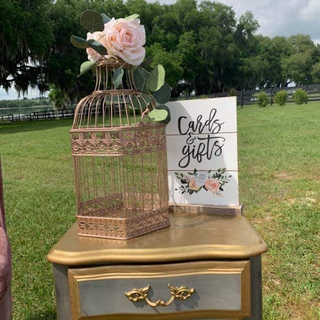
(120, 159)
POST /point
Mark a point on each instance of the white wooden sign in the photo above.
(202, 152)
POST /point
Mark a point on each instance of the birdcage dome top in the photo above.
(115, 101)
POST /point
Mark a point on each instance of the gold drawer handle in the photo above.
(181, 293)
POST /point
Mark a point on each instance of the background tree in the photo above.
(273, 51)
(26, 33)
(217, 48)
(250, 65)
(203, 47)
(297, 66)
(315, 73)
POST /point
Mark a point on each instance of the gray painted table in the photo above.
(203, 266)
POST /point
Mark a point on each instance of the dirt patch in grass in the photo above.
(303, 311)
(309, 200)
(283, 175)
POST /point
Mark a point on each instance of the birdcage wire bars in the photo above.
(120, 159)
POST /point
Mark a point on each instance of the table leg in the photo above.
(256, 288)
(61, 284)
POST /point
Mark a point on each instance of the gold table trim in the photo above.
(190, 237)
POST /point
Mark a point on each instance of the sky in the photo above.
(276, 17)
(13, 94)
(279, 17)
(282, 17)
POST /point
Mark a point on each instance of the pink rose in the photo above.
(93, 55)
(125, 39)
(193, 185)
(212, 185)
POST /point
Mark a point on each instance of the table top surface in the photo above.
(190, 237)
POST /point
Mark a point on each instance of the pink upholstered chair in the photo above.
(5, 262)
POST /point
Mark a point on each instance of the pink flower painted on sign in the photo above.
(212, 185)
(194, 182)
(193, 185)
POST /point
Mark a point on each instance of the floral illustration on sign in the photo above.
(193, 182)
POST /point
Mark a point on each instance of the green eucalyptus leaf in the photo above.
(117, 77)
(92, 21)
(158, 115)
(146, 99)
(135, 103)
(140, 77)
(105, 18)
(156, 78)
(146, 63)
(144, 72)
(142, 100)
(132, 17)
(163, 94)
(97, 46)
(79, 42)
(86, 66)
(164, 107)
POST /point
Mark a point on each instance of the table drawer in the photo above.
(192, 290)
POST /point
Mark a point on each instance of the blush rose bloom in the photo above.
(193, 185)
(212, 185)
(93, 55)
(125, 39)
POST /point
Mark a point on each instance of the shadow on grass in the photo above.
(15, 127)
(45, 315)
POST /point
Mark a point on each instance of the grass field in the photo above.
(279, 163)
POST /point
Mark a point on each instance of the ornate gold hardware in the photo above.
(181, 293)
(138, 294)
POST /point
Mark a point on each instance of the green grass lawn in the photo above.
(279, 163)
